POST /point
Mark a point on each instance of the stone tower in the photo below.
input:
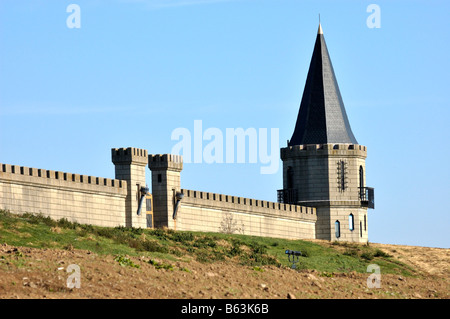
(165, 186)
(130, 166)
(323, 164)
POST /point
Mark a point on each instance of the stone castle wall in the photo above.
(85, 199)
(210, 212)
(112, 202)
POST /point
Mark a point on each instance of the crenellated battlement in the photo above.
(130, 155)
(323, 149)
(56, 178)
(242, 204)
(165, 161)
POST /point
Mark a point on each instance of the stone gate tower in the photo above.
(323, 165)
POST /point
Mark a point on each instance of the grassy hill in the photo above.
(42, 232)
(37, 244)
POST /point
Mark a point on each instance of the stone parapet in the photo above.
(165, 162)
(298, 151)
(48, 178)
(247, 205)
(130, 155)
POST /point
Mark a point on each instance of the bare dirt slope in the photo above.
(431, 261)
(42, 273)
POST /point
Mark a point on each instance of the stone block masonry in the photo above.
(330, 178)
(130, 164)
(114, 202)
(84, 199)
(210, 212)
(166, 181)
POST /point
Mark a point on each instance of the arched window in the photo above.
(337, 229)
(351, 222)
(360, 229)
(365, 223)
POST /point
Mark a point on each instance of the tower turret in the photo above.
(323, 165)
(166, 170)
(130, 166)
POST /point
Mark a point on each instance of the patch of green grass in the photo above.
(125, 261)
(257, 268)
(39, 231)
(159, 265)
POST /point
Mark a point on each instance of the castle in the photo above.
(324, 192)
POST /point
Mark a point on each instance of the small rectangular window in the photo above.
(148, 203)
(159, 178)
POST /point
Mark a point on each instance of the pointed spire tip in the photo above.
(320, 29)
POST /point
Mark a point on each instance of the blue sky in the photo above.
(138, 69)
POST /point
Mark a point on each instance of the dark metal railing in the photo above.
(367, 196)
(287, 196)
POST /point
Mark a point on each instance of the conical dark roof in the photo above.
(322, 118)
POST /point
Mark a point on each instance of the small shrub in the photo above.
(153, 246)
(106, 232)
(367, 255)
(65, 223)
(176, 252)
(160, 233)
(182, 237)
(158, 265)
(202, 256)
(87, 228)
(125, 261)
(380, 253)
(326, 274)
(205, 242)
(258, 249)
(235, 250)
(351, 252)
